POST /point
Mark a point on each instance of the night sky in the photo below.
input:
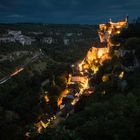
(67, 11)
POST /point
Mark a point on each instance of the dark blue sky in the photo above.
(67, 11)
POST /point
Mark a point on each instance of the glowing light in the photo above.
(105, 78)
(104, 92)
(118, 32)
(39, 127)
(75, 101)
(92, 62)
(121, 75)
(45, 125)
(96, 61)
(109, 31)
(63, 94)
(100, 53)
(17, 71)
(46, 98)
(27, 134)
(69, 79)
(54, 117)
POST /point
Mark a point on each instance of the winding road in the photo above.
(20, 69)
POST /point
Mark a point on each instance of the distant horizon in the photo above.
(63, 23)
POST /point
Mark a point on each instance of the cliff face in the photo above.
(98, 54)
(87, 69)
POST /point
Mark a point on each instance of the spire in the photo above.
(126, 19)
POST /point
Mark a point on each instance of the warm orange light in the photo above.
(46, 98)
(118, 32)
(100, 53)
(105, 78)
(38, 127)
(92, 62)
(17, 71)
(62, 95)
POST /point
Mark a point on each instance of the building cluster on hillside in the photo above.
(49, 40)
(66, 38)
(17, 36)
(52, 35)
(80, 81)
(97, 55)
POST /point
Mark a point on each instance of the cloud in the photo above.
(15, 16)
(3, 6)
